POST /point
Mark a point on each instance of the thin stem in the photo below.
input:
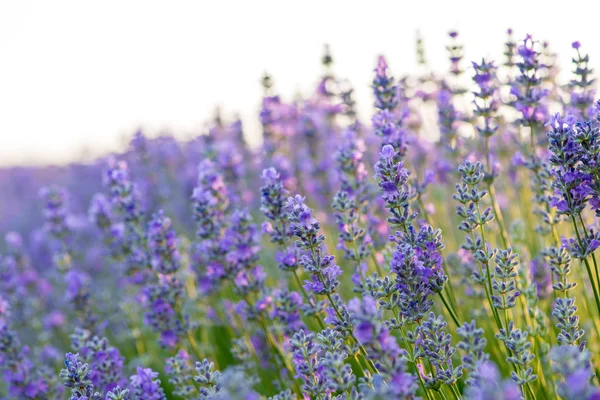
(374, 259)
(455, 391)
(528, 387)
(441, 392)
(450, 310)
(280, 354)
(194, 345)
(487, 292)
(487, 272)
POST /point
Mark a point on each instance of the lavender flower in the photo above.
(307, 230)
(574, 368)
(209, 203)
(518, 344)
(284, 395)
(582, 87)
(272, 200)
(349, 157)
(486, 99)
(235, 385)
(122, 191)
(560, 264)
(145, 385)
(383, 87)
(473, 344)
(100, 212)
(124, 274)
(510, 53)
(541, 276)
(526, 89)
(306, 361)
(455, 51)
(287, 307)
(418, 276)
(163, 310)
(381, 346)
(393, 181)
(587, 139)
(504, 282)
(76, 376)
(180, 372)
(24, 379)
(387, 123)
(568, 322)
(337, 373)
(489, 386)
(162, 245)
(432, 343)
(209, 200)
(570, 185)
(55, 212)
(353, 240)
(242, 240)
(118, 394)
(207, 378)
(124, 196)
(105, 362)
(448, 119)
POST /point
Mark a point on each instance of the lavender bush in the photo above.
(444, 249)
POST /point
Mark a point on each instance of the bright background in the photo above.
(77, 76)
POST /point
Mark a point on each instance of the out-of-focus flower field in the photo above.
(443, 249)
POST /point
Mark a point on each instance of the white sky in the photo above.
(81, 74)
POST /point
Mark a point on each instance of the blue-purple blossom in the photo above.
(473, 345)
(324, 272)
(164, 315)
(526, 89)
(171, 268)
(486, 98)
(106, 362)
(180, 371)
(145, 385)
(23, 378)
(435, 345)
(163, 245)
(396, 192)
(573, 366)
(76, 377)
(581, 88)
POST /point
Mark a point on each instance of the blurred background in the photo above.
(77, 78)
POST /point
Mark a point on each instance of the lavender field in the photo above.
(444, 248)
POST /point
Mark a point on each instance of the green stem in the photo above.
(374, 259)
(441, 392)
(488, 274)
(450, 310)
(280, 354)
(455, 391)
